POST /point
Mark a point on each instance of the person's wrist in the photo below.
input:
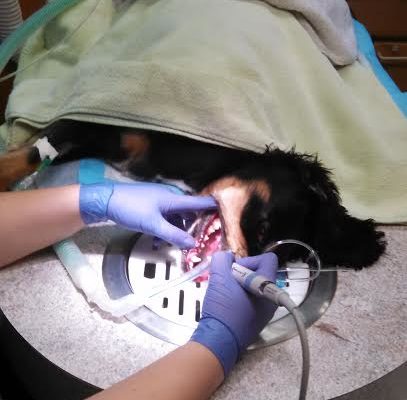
(94, 201)
(220, 340)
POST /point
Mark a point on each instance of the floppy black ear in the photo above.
(339, 238)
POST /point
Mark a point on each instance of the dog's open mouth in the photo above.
(208, 233)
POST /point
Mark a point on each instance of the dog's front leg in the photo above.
(17, 164)
(73, 140)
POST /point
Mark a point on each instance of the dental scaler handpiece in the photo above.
(262, 287)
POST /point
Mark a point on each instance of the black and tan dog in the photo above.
(263, 197)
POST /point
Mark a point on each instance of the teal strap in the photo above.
(91, 170)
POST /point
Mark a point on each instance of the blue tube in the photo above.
(20, 35)
(77, 266)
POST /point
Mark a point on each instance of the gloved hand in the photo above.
(231, 317)
(141, 207)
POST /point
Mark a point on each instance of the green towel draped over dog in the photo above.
(233, 72)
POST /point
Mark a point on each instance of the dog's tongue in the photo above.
(208, 237)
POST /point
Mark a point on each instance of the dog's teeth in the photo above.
(195, 259)
(202, 246)
(211, 230)
(206, 238)
(216, 225)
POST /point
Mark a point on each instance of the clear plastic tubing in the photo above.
(314, 272)
(21, 34)
(85, 279)
(187, 276)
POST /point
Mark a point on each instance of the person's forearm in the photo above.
(191, 372)
(32, 220)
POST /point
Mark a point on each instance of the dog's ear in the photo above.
(339, 238)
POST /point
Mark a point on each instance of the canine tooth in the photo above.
(195, 259)
(206, 237)
(211, 230)
(216, 224)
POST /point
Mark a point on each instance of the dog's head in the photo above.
(286, 195)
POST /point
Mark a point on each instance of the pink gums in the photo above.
(208, 242)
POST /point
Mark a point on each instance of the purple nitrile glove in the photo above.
(231, 317)
(141, 207)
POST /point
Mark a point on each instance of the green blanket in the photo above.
(233, 72)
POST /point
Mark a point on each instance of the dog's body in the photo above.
(262, 197)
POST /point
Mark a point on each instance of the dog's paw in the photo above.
(16, 165)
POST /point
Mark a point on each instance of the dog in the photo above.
(262, 197)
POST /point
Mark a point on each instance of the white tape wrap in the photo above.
(45, 148)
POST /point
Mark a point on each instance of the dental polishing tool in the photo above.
(261, 286)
